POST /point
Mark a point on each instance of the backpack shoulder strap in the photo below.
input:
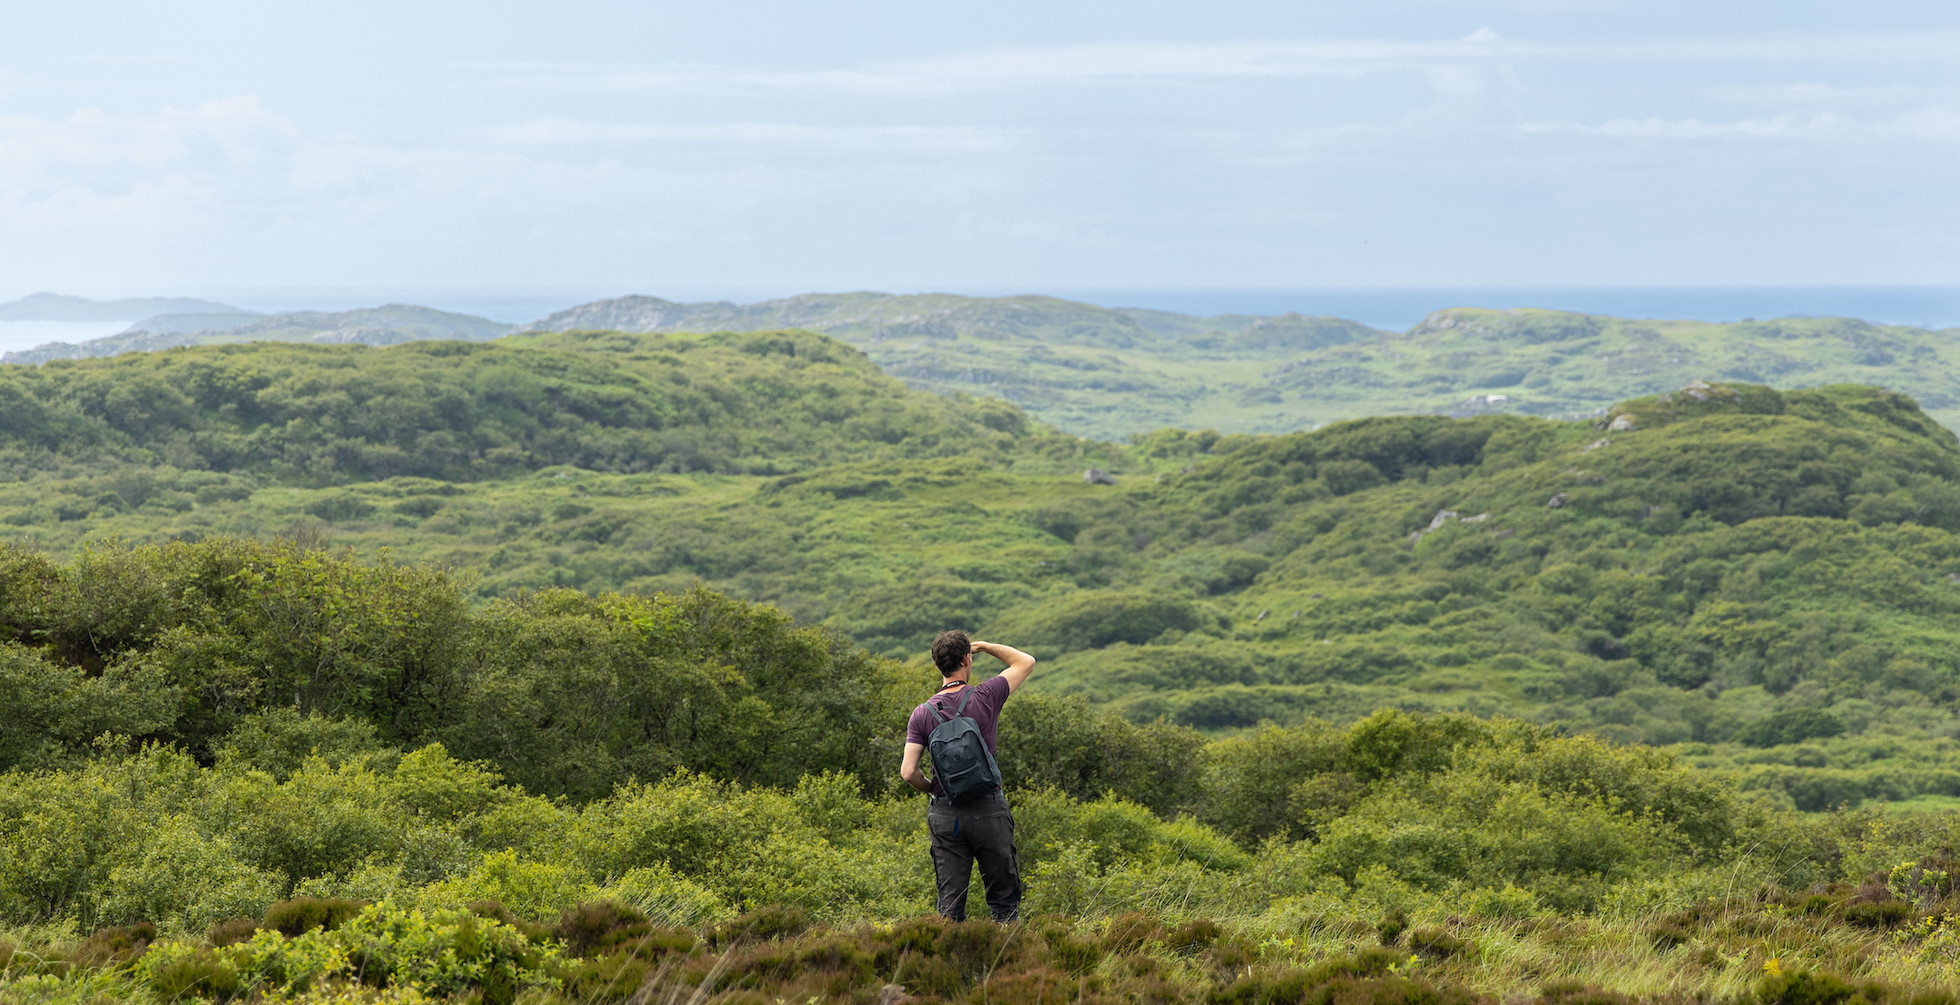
(940, 710)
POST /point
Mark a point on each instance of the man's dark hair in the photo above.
(949, 648)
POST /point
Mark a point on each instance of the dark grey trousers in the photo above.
(983, 831)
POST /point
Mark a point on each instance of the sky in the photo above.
(742, 148)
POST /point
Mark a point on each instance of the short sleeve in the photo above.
(996, 689)
(916, 730)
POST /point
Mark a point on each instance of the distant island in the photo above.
(59, 307)
(198, 322)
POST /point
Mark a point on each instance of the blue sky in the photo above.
(749, 148)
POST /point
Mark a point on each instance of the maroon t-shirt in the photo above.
(983, 708)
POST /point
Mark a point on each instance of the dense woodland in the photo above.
(573, 666)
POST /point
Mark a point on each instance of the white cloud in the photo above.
(985, 69)
(233, 131)
(1926, 124)
(1818, 93)
(230, 189)
(995, 68)
(1467, 147)
(927, 140)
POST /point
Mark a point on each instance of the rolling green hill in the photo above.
(1114, 372)
(1771, 574)
(317, 415)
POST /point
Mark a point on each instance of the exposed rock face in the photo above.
(1298, 332)
(1482, 404)
(626, 314)
(1097, 476)
(365, 335)
(1442, 517)
(114, 344)
(1621, 423)
(1436, 523)
(1556, 502)
(1518, 325)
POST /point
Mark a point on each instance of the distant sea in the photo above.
(17, 335)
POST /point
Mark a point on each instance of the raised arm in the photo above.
(1019, 664)
(908, 768)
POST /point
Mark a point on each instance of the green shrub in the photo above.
(1878, 914)
(185, 880)
(232, 931)
(1806, 987)
(1126, 932)
(1061, 742)
(1092, 620)
(116, 944)
(760, 925)
(278, 741)
(295, 917)
(1435, 943)
(530, 889)
(188, 973)
(668, 897)
(1580, 993)
(600, 925)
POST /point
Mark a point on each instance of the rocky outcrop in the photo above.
(1527, 326)
(1442, 519)
(111, 346)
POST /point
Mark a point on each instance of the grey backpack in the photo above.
(961, 762)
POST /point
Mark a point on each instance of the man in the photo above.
(980, 828)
